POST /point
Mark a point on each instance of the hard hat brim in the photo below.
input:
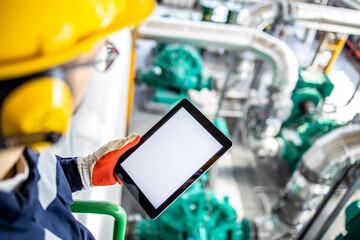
(135, 13)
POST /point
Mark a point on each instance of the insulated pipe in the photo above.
(354, 4)
(262, 16)
(280, 56)
(311, 182)
(319, 17)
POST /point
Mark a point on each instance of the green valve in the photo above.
(207, 13)
(303, 95)
(352, 212)
(309, 95)
(297, 141)
(352, 224)
(232, 17)
(305, 124)
(233, 13)
(208, 7)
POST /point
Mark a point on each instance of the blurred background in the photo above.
(280, 78)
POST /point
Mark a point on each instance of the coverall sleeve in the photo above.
(71, 172)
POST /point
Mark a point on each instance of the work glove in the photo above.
(97, 169)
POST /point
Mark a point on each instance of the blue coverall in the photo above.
(40, 208)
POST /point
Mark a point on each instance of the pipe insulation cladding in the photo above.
(232, 37)
(311, 181)
(313, 16)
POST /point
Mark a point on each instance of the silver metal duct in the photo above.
(354, 4)
(325, 18)
(311, 182)
(275, 51)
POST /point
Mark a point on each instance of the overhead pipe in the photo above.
(319, 17)
(349, 4)
(311, 182)
(319, 165)
(203, 34)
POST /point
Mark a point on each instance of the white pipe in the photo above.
(312, 180)
(204, 34)
(328, 154)
(320, 17)
(261, 17)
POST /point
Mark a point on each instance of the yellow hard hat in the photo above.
(37, 35)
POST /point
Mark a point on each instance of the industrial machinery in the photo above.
(283, 110)
(306, 123)
(308, 96)
(199, 213)
(322, 153)
(177, 68)
(295, 142)
(209, 6)
(322, 169)
(330, 162)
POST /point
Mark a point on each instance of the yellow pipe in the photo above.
(131, 82)
(336, 52)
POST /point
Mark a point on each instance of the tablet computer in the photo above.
(170, 157)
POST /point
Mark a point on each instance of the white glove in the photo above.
(97, 169)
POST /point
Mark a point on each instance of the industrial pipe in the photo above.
(275, 51)
(319, 17)
(354, 4)
(311, 182)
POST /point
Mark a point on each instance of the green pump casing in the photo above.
(177, 68)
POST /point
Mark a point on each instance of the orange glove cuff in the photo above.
(103, 172)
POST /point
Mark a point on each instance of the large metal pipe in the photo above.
(275, 51)
(319, 17)
(354, 4)
(311, 182)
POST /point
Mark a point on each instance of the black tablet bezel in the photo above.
(137, 193)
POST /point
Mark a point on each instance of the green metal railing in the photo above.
(106, 208)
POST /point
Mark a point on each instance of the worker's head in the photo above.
(46, 50)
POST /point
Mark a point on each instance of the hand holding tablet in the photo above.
(170, 157)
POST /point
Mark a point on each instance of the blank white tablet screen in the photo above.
(170, 157)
